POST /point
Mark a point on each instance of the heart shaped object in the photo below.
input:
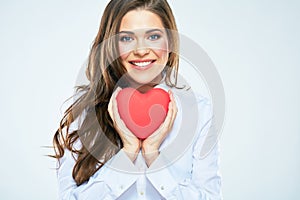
(143, 113)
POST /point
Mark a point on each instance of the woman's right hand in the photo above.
(131, 144)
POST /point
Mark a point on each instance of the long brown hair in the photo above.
(96, 130)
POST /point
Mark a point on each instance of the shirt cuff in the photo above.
(120, 173)
(160, 176)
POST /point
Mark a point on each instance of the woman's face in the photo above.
(143, 46)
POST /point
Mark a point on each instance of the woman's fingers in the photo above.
(169, 117)
(167, 125)
(174, 109)
(119, 123)
(118, 119)
(115, 110)
(110, 110)
(130, 142)
(112, 102)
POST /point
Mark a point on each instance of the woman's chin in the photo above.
(143, 85)
(139, 83)
(141, 80)
(146, 81)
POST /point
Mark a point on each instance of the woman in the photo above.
(99, 157)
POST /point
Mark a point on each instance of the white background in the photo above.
(254, 45)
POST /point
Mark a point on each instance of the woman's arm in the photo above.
(112, 179)
(107, 183)
(202, 180)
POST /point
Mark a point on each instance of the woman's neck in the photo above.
(143, 88)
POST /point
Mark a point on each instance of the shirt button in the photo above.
(121, 187)
(162, 188)
(141, 193)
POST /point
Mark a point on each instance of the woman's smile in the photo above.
(142, 64)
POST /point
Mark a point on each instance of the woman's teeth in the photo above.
(142, 64)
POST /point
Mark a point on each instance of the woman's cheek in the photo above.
(160, 48)
(162, 53)
(124, 56)
(125, 49)
(123, 52)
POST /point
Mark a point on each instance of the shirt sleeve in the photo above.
(204, 182)
(107, 183)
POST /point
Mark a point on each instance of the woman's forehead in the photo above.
(140, 19)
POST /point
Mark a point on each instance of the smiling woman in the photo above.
(143, 47)
(98, 156)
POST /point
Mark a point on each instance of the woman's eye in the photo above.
(154, 37)
(126, 39)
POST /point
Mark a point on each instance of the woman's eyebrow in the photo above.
(147, 32)
(153, 30)
(127, 32)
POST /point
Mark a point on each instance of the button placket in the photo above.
(141, 181)
(141, 185)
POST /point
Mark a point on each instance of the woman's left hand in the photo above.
(151, 144)
(131, 144)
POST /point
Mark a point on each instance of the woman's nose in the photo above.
(141, 49)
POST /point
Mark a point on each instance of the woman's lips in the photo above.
(141, 64)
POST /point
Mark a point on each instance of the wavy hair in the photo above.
(96, 131)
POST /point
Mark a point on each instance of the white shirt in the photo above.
(177, 173)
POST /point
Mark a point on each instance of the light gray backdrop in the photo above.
(254, 45)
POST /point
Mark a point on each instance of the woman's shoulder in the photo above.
(205, 107)
(193, 100)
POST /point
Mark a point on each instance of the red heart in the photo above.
(143, 113)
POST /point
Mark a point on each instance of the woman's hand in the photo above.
(131, 144)
(151, 144)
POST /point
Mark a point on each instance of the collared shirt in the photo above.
(179, 172)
